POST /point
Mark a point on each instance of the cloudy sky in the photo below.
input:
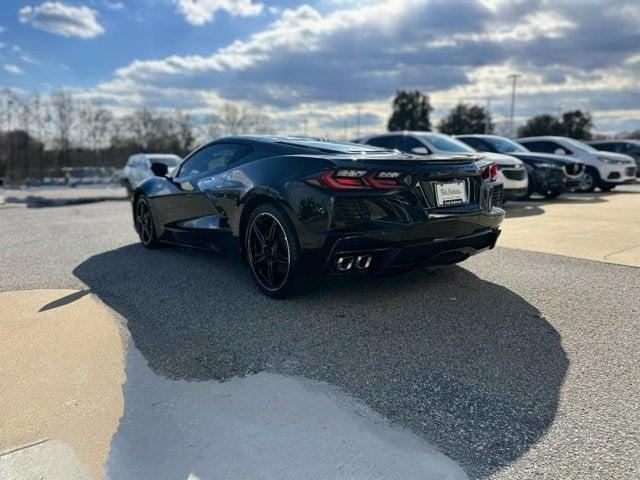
(327, 60)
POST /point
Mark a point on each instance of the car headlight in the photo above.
(611, 161)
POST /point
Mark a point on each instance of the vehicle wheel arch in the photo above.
(252, 201)
(134, 199)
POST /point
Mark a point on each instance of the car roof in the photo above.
(542, 137)
(479, 135)
(400, 132)
(613, 140)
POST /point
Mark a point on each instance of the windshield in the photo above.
(168, 160)
(581, 146)
(446, 143)
(331, 145)
(504, 145)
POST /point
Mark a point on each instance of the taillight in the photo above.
(358, 180)
(489, 173)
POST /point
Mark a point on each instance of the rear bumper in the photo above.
(442, 241)
(406, 256)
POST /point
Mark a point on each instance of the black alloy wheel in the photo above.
(268, 251)
(273, 254)
(144, 223)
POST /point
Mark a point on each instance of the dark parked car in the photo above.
(627, 147)
(549, 175)
(297, 208)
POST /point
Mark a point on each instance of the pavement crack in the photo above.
(23, 447)
(620, 251)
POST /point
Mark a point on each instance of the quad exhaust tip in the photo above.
(361, 262)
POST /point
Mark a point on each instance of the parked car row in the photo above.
(547, 166)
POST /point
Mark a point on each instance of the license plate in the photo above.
(451, 193)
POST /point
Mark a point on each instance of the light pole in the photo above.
(487, 119)
(358, 108)
(514, 79)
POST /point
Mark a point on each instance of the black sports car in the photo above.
(297, 208)
(549, 175)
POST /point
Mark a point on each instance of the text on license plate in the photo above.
(451, 193)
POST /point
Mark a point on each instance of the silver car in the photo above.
(138, 167)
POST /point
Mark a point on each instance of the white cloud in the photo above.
(310, 62)
(199, 12)
(62, 19)
(14, 69)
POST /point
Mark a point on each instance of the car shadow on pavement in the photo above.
(467, 364)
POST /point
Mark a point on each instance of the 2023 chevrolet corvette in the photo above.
(297, 208)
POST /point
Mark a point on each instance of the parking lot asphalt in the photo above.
(595, 226)
(514, 364)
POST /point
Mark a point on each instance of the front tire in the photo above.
(143, 221)
(273, 253)
(590, 180)
(607, 187)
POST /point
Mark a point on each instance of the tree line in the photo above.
(412, 109)
(40, 136)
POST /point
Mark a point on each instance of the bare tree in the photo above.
(235, 119)
(62, 112)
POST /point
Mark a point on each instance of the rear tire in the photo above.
(273, 254)
(143, 221)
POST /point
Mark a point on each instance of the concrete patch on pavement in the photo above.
(261, 426)
(61, 372)
(598, 226)
(62, 397)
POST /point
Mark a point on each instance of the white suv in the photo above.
(138, 167)
(511, 171)
(604, 169)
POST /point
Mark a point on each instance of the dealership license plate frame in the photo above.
(454, 198)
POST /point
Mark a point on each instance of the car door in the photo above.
(191, 215)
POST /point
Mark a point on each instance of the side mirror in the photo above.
(159, 169)
(560, 151)
(420, 151)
